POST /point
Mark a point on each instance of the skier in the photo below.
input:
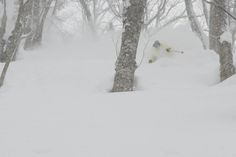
(160, 50)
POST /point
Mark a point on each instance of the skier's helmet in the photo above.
(156, 44)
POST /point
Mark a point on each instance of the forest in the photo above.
(135, 78)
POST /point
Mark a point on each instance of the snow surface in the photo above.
(226, 36)
(55, 103)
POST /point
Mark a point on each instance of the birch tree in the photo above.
(216, 24)
(163, 13)
(39, 12)
(205, 12)
(195, 25)
(220, 44)
(33, 23)
(233, 28)
(133, 16)
(58, 5)
(95, 14)
(14, 40)
(88, 15)
(158, 14)
(3, 24)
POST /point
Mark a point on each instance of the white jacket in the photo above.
(162, 51)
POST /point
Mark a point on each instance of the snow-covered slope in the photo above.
(55, 103)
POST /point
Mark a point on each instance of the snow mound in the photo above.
(55, 103)
(230, 82)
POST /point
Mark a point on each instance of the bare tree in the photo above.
(233, 29)
(227, 68)
(163, 12)
(3, 27)
(218, 27)
(195, 25)
(133, 16)
(88, 15)
(95, 14)
(33, 22)
(216, 24)
(37, 19)
(13, 40)
(158, 14)
(206, 12)
(58, 5)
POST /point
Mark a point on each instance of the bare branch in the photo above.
(222, 8)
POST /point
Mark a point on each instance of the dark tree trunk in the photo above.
(234, 29)
(15, 37)
(3, 27)
(13, 42)
(133, 15)
(33, 22)
(216, 24)
(219, 26)
(227, 68)
(37, 39)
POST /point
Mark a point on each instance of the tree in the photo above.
(39, 12)
(12, 43)
(133, 16)
(195, 25)
(88, 15)
(233, 29)
(58, 5)
(205, 12)
(33, 22)
(218, 30)
(216, 24)
(95, 15)
(158, 14)
(3, 25)
(227, 68)
(162, 13)
(13, 40)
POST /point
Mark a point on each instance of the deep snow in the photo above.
(55, 103)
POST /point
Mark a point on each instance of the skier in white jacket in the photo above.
(159, 50)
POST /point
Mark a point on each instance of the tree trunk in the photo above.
(38, 36)
(195, 25)
(234, 28)
(88, 14)
(219, 26)
(13, 42)
(133, 14)
(216, 24)
(34, 23)
(35, 38)
(227, 68)
(205, 11)
(58, 6)
(3, 27)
